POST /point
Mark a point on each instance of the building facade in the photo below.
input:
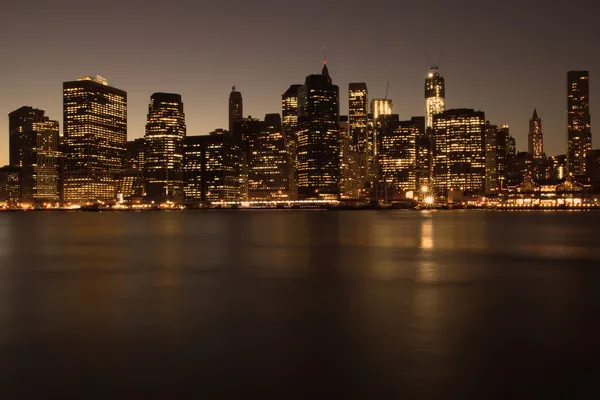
(289, 116)
(269, 172)
(34, 146)
(536, 137)
(10, 187)
(459, 151)
(579, 135)
(358, 127)
(318, 139)
(94, 140)
(397, 155)
(435, 96)
(379, 108)
(236, 108)
(163, 154)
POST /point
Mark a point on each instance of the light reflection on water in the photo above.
(408, 303)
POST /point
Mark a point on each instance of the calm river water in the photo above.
(299, 304)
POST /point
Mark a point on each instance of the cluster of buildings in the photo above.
(306, 153)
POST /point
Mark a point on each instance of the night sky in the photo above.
(503, 57)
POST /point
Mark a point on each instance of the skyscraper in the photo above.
(491, 159)
(269, 172)
(350, 162)
(536, 137)
(95, 139)
(459, 150)
(398, 154)
(236, 108)
(34, 148)
(435, 96)
(379, 107)
(163, 156)
(318, 138)
(358, 126)
(579, 135)
(289, 115)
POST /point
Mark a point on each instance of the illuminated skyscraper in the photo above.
(221, 170)
(358, 126)
(536, 137)
(136, 154)
(318, 138)
(435, 96)
(10, 186)
(269, 172)
(379, 107)
(579, 136)
(290, 114)
(459, 150)
(34, 148)
(212, 167)
(163, 156)
(398, 154)
(95, 139)
(350, 162)
(236, 108)
(491, 159)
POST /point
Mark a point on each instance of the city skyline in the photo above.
(516, 72)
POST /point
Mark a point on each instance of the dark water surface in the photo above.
(299, 304)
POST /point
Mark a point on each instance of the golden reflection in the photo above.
(427, 271)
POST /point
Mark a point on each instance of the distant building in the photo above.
(10, 186)
(163, 155)
(459, 151)
(135, 157)
(506, 147)
(424, 154)
(518, 168)
(95, 139)
(579, 136)
(536, 137)
(435, 96)
(247, 131)
(212, 168)
(397, 154)
(379, 107)
(319, 139)
(289, 115)
(269, 172)
(593, 169)
(491, 160)
(34, 147)
(350, 163)
(236, 108)
(559, 166)
(358, 127)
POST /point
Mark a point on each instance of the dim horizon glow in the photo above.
(499, 59)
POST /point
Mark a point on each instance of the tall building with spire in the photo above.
(236, 108)
(536, 137)
(163, 156)
(318, 138)
(579, 135)
(435, 96)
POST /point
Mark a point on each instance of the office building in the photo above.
(379, 107)
(10, 186)
(579, 135)
(397, 155)
(221, 167)
(95, 139)
(459, 151)
(319, 139)
(269, 172)
(358, 127)
(34, 147)
(289, 116)
(163, 154)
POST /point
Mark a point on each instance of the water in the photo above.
(299, 304)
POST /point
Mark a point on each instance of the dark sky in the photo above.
(503, 57)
